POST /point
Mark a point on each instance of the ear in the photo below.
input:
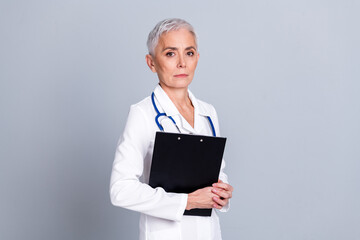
(150, 62)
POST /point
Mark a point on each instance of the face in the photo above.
(175, 59)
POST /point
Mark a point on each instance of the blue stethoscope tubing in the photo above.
(159, 114)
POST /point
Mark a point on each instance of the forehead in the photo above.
(177, 38)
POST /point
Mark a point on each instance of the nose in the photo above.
(181, 62)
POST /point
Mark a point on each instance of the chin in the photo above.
(177, 84)
(182, 85)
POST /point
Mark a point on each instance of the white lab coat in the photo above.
(161, 212)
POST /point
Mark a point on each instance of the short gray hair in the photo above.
(164, 26)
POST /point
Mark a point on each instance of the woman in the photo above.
(173, 55)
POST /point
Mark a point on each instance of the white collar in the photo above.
(169, 107)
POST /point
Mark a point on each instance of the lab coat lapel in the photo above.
(165, 102)
(199, 113)
(185, 125)
(168, 107)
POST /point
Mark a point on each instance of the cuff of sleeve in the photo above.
(225, 208)
(182, 207)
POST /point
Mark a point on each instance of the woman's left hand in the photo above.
(223, 192)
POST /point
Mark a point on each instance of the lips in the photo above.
(181, 75)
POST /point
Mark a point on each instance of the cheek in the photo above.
(166, 68)
(193, 64)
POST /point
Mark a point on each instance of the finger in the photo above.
(216, 206)
(220, 202)
(222, 193)
(225, 186)
(220, 185)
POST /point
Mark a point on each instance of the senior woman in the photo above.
(173, 56)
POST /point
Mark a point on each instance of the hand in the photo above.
(201, 198)
(223, 193)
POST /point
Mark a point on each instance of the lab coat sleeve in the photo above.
(222, 176)
(126, 190)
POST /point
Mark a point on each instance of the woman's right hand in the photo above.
(202, 198)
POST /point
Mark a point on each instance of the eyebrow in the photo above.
(174, 48)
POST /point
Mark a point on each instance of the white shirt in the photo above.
(161, 212)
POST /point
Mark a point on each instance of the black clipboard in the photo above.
(183, 163)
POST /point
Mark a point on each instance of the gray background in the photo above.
(283, 75)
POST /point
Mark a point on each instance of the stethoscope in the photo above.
(159, 114)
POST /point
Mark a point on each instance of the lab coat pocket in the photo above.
(162, 229)
(168, 234)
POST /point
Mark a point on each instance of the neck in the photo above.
(179, 96)
(181, 100)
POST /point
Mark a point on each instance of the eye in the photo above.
(191, 53)
(170, 54)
